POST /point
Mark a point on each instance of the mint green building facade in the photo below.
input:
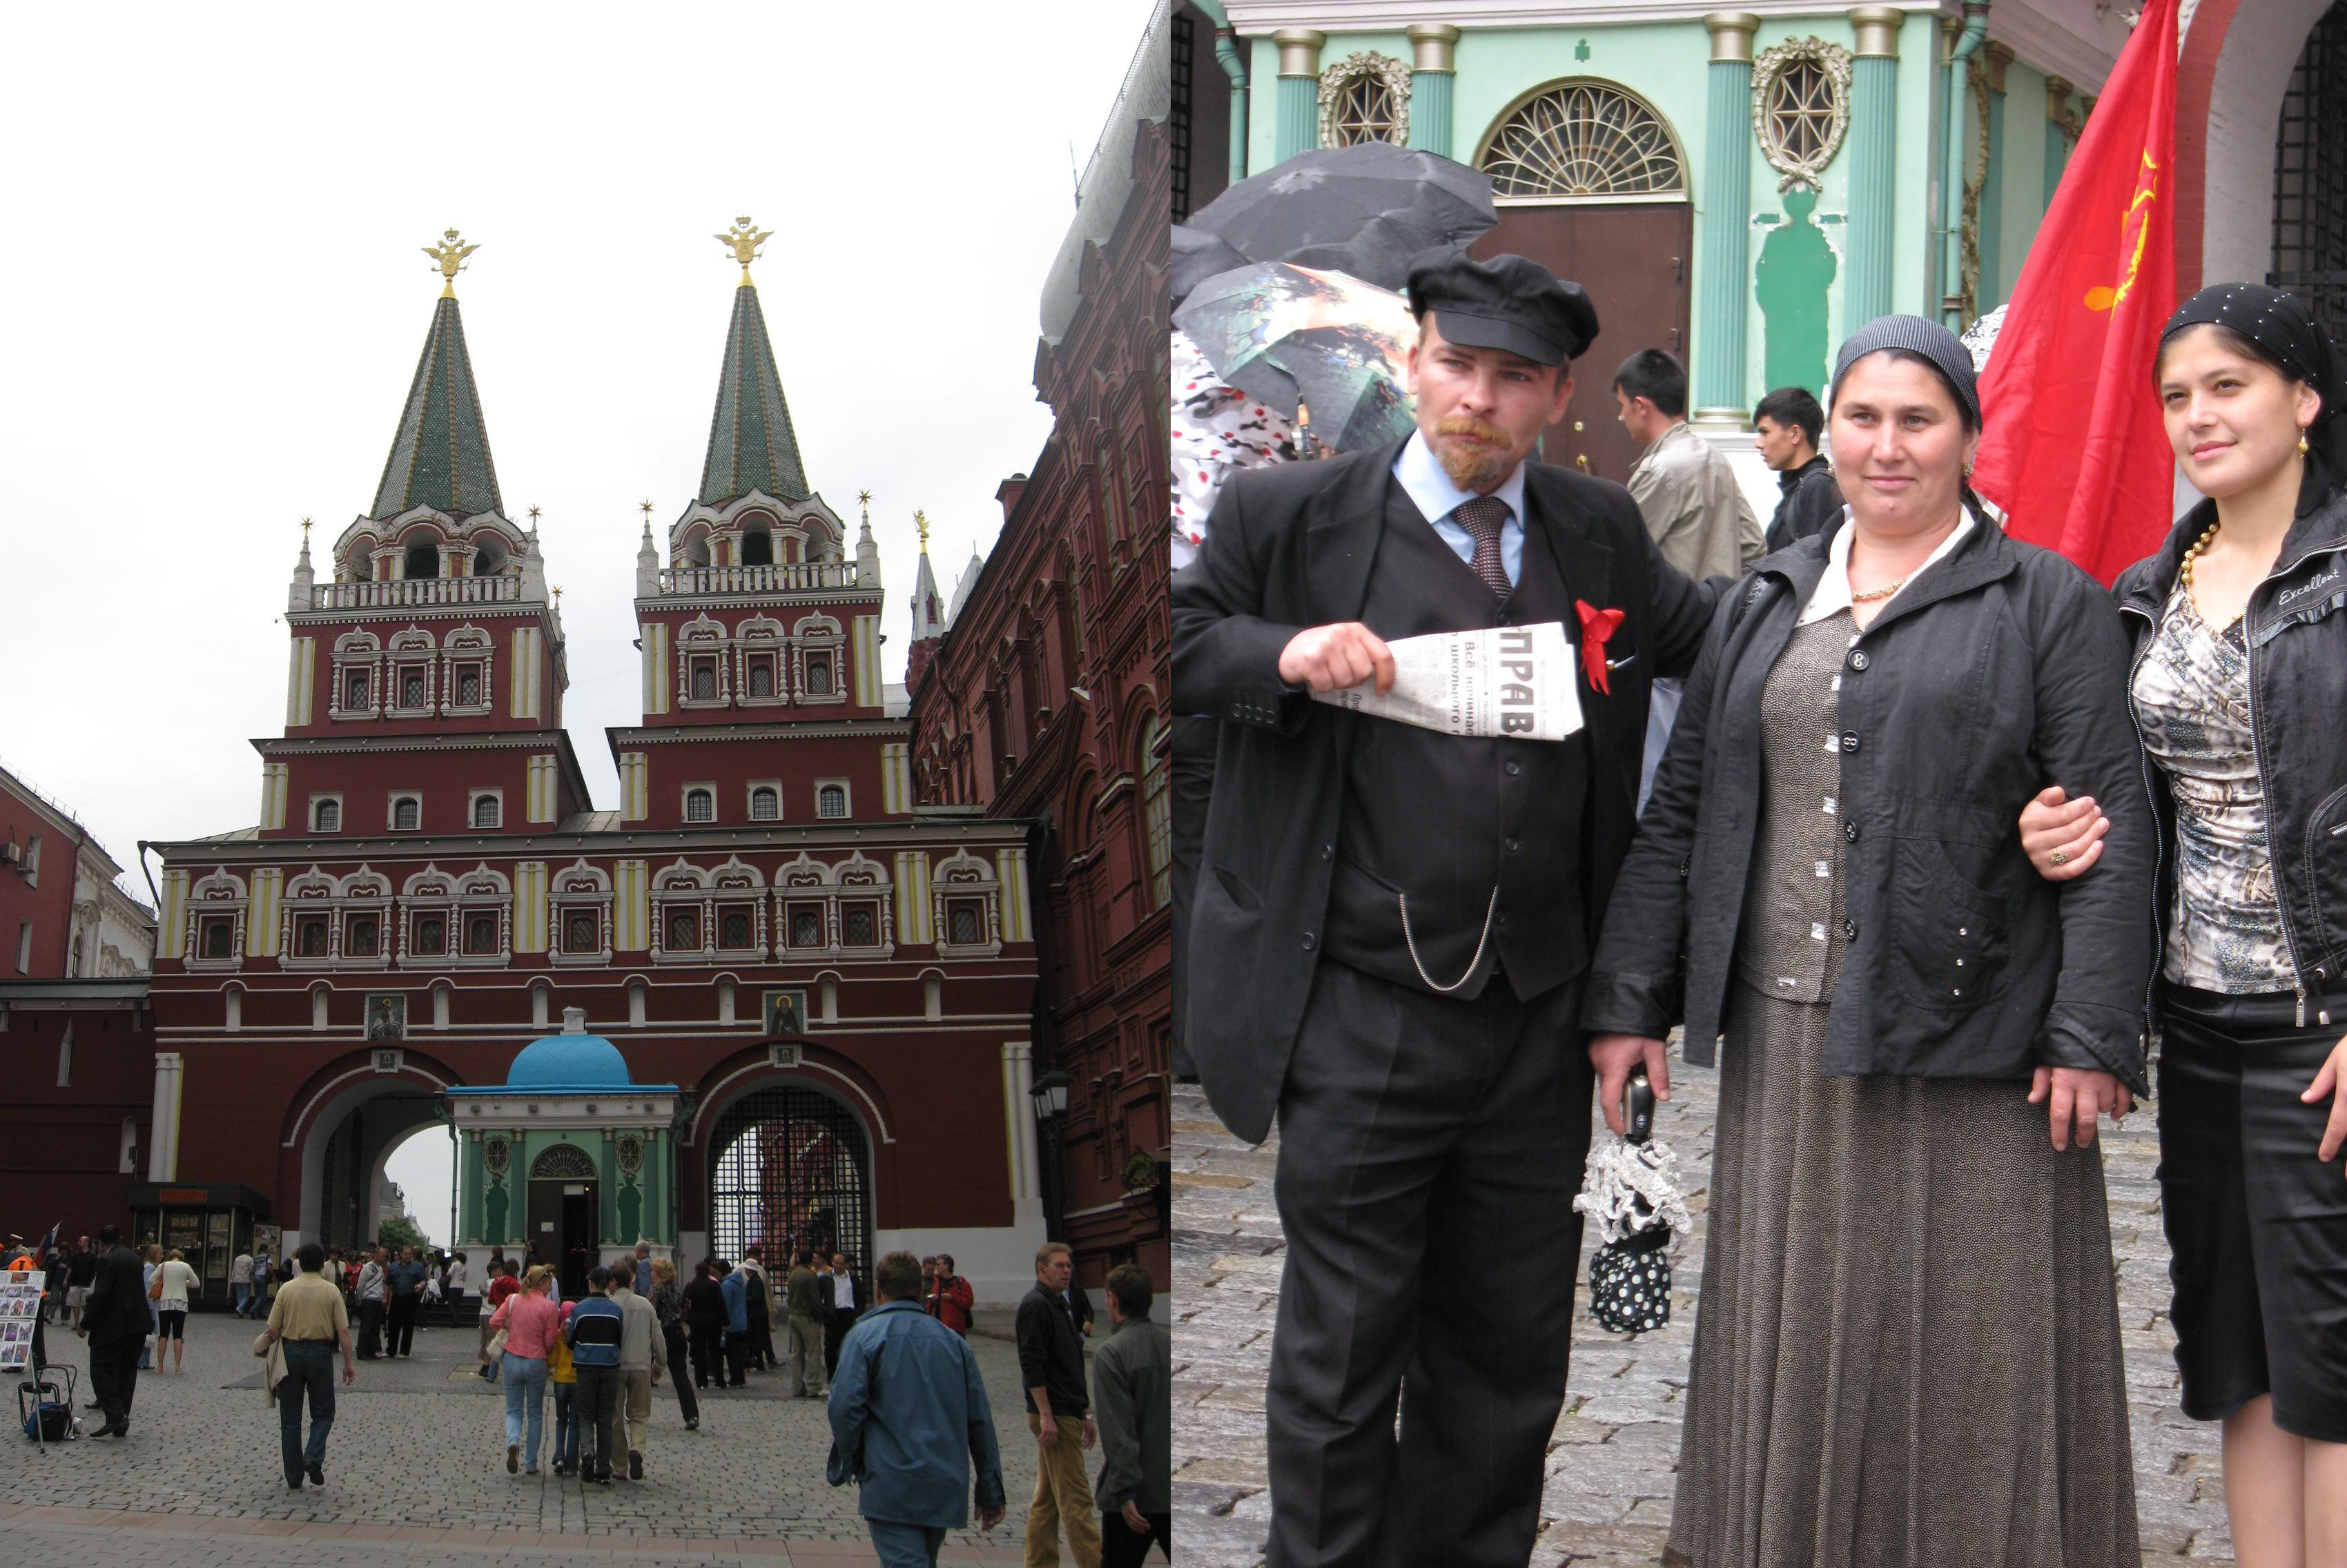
(1791, 249)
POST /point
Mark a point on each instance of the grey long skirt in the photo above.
(1907, 1349)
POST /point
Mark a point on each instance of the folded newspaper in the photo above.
(1515, 681)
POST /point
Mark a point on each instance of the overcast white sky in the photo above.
(217, 296)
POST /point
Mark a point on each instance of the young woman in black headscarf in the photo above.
(2240, 692)
(1909, 1345)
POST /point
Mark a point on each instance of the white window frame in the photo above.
(468, 645)
(562, 903)
(847, 800)
(473, 799)
(684, 805)
(762, 637)
(220, 896)
(411, 653)
(675, 888)
(964, 876)
(750, 800)
(356, 659)
(340, 812)
(391, 811)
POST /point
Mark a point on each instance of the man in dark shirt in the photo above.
(407, 1295)
(1051, 1370)
(81, 1268)
(115, 1323)
(1786, 426)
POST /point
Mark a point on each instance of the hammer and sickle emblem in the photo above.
(2136, 217)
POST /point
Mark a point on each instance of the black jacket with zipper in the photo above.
(2002, 666)
(2296, 624)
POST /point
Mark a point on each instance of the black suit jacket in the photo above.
(116, 1309)
(1289, 547)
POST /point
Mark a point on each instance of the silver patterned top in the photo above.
(2192, 698)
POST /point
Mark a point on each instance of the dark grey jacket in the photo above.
(2001, 667)
(1292, 546)
(2298, 698)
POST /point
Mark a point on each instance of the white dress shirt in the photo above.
(1420, 473)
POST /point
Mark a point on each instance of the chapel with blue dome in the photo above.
(570, 1155)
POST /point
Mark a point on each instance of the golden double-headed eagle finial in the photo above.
(921, 524)
(449, 257)
(743, 238)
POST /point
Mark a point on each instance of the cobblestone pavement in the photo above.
(1610, 1462)
(417, 1460)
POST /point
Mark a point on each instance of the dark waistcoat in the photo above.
(1442, 821)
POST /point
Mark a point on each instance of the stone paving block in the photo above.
(1605, 1498)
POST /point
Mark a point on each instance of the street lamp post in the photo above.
(1050, 1094)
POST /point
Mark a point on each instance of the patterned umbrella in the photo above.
(1289, 336)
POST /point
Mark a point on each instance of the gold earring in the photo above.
(2301, 442)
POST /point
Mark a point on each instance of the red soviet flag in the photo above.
(2073, 447)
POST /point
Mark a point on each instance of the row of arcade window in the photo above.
(404, 814)
(766, 802)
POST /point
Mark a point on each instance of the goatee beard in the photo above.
(1473, 468)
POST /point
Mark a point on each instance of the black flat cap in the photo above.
(1507, 302)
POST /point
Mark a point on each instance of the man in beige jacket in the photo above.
(1688, 495)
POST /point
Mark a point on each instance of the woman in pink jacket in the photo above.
(532, 1324)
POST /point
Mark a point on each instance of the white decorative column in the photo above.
(163, 1137)
(1026, 1161)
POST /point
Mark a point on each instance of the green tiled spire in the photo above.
(440, 458)
(750, 446)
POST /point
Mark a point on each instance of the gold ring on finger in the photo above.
(2061, 856)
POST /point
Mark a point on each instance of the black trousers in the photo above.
(760, 1351)
(1194, 786)
(401, 1338)
(598, 1403)
(680, 1371)
(2257, 1227)
(370, 1344)
(1430, 1151)
(737, 1352)
(114, 1376)
(836, 1324)
(1121, 1546)
(708, 1354)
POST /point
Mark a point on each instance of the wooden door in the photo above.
(1634, 259)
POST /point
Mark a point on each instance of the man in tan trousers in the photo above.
(1058, 1412)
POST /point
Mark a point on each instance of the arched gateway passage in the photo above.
(791, 1169)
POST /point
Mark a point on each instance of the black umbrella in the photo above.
(1197, 256)
(1285, 335)
(1364, 211)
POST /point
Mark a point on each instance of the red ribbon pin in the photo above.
(1597, 627)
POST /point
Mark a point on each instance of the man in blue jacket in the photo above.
(910, 1436)
(737, 1286)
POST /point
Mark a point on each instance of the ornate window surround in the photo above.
(430, 891)
(218, 895)
(411, 653)
(703, 638)
(733, 883)
(482, 891)
(1392, 75)
(356, 653)
(363, 893)
(862, 875)
(468, 644)
(575, 887)
(965, 875)
(1769, 70)
(814, 634)
(762, 637)
(677, 887)
(1665, 152)
(807, 880)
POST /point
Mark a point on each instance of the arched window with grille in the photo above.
(1583, 139)
(831, 799)
(1365, 97)
(765, 804)
(700, 805)
(1156, 813)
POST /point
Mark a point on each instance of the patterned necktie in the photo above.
(1482, 518)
